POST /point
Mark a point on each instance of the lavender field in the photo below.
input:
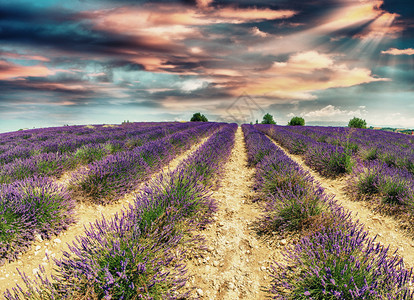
(221, 203)
(206, 210)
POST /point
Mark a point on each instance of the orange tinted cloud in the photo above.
(365, 14)
(52, 86)
(150, 63)
(395, 51)
(134, 19)
(162, 29)
(303, 62)
(204, 3)
(241, 15)
(382, 27)
(167, 27)
(177, 21)
(9, 70)
(304, 73)
(24, 56)
(379, 23)
(352, 14)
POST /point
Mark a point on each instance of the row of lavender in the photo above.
(333, 258)
(37, 137)
(86, 151)
(328, 159)
(37, 206)
(138, 253)
(60, 140)
(396, 150)
(386, 177)
(110, 178)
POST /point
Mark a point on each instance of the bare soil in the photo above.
(386, 228)
(236, 262)
(85, 215)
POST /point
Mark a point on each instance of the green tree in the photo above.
(197, 117)
(357, 123)
(296, 121)
(268, 119)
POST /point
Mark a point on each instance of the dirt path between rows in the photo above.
(236, 262)
(386, 228)
(85, 214)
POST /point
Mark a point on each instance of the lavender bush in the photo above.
(340, 262)
(377, 179)
(89, 153)
(292, 198)
(329, 160)
(368, 179)
(44, 165)
(257, 145)
(28, 207)
(207, 160)
(369, 153)
(298, 208)
(296, 143)
(179, 195)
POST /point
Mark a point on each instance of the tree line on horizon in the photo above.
(295, 121)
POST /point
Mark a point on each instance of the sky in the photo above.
(108, 61)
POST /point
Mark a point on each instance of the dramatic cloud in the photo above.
(153, 19)
(204, 3)
(23, 56)
(10, 70)
(355, 14)
(240, 15)
(305, 72)
(382, 27)
(395, 51)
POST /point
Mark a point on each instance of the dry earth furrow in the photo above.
(386, 228)
(236, 262)
(85, 214)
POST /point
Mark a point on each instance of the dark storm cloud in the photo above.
(405, 9)
(59, 86)
(65, 31)
(18, 13)
(78, 39)
(33, 86)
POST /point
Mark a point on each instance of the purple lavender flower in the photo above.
(29, 207)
